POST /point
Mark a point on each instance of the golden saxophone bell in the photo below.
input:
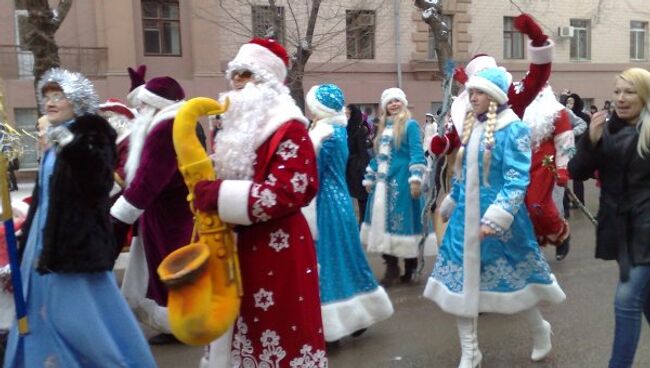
(203, 277)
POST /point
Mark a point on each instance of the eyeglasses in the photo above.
(54, 98)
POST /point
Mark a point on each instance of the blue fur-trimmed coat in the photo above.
(78, 235)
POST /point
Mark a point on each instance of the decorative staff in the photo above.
(549, 163)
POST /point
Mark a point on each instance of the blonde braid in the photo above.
(468, 126)
(488, 140)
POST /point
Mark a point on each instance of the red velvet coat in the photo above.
(280, 322)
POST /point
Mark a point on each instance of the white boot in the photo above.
(541, 331)
(467, 331)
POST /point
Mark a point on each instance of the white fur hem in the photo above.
(342, 318)
(115, 189)
(125, 211)
(542, 54)
(405, 246)
(233, 201)
(499, 216)
(493, 302)
(320, 133)
(311, 216)
(447, 207)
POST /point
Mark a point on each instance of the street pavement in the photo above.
(420, 335)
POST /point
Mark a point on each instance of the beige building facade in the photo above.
(364, 46)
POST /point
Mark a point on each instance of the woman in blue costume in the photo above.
(77, 316)
(351, 300)
(489, 259)
(393, 220)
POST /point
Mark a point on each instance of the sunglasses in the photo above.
(242, 73)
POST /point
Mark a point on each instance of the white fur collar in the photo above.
(283, 109)
(506, 117)
(168, 112)
(339, 119)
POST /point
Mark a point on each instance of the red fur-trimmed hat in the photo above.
(266, 58)
(117, 107)
(161, 92)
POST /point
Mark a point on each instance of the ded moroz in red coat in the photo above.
(550, 136)
(280, 323)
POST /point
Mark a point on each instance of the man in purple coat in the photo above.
(156, 196)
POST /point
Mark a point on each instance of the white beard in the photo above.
(234, 145)
(540, 116)
(138, 135)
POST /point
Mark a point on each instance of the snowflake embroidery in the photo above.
(267, 198)
(271, 180)
(523, 143)
(242, 354)
(449, 273)
(512, 202)
(519, 86)
(501, 274)
(287, 150)
(299, 182)
(309, 359)
(279, 240)
(263, 300)
(512, 174)
(258, 211)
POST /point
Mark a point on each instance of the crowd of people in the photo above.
(109, 178)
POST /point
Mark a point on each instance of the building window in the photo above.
(513, 40)
(26, 120)
(263, 22)
(162, 28)
(638, 40)
(432, 55)
(360, 34)
(581, 40)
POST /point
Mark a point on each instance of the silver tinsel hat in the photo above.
(76, 88)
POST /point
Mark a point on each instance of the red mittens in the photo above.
(525, 24)
(206, 195)
(562, 177)
(460, 75)
(439, 145)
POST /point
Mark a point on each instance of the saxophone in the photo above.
(203, 277)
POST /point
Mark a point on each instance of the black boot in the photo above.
(562, 250)
(392, 271)
(410, 265)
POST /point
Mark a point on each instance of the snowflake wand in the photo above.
(548, 162)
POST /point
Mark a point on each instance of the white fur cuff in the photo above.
(125, 211)
(542, 54)
(498, 216)
(233, 201)
(447, 207)
(320, 133)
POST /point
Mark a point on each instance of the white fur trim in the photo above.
(542, 54)
(310, 212)
(541, 115)
(564, 147)
(459, 108)
(134, 289)
(499, 216)
(393, 94)
(115, 189)
(480, 63)
(447, 207)
(262, 57)
(405, 246)
(150, 98)
(125, 211)
(417, 178)
(233, 201)
(316, 107)
(342, 318)
(168, 112)
(283, 109)
(489, 301)
(488, 87)
(505, 118)
(320, 133)
(132, 97)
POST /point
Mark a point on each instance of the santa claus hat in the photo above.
(325, 100)
(493, 81)
(115, 106)
(161, 92)
(393, 94)
(265, 58)
(480, 62)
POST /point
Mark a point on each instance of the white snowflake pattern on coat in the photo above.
(287, 150)
(263, 299)
(299, 181)
(279, 240)
(258, 211)
(268, 198)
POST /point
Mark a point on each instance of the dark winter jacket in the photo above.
(78, 235)
(359, 158)
(623, 231)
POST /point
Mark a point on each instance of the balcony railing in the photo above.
(18, 63)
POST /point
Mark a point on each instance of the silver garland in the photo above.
(76, 88)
